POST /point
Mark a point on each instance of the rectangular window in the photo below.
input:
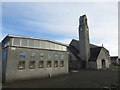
(32, 56)
(16, 41)
(21, 65)
(49, 64)
(41, 64)
(42, 44)
(24, 42)
(52, 46)
(6, 44)
(22, 55)
(32, 64)
(61, 63)
(64, 48)
(56, 47)
(55, 63)
(31, 43)
(37, 43)
(60, 47)
(47, 45)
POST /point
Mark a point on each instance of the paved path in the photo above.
(81, 79)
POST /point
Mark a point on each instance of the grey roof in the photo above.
(74, 51)
(94, 50)
(76, 44)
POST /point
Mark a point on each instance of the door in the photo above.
(103, 64)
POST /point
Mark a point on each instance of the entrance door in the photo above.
(83, 64)
(103, 64)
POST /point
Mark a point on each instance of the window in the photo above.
(42, 44)
(16, 41)
(60, 47)
(32, 64)
(49, 64)
(52, 46)
(31, 43)
(56, 47)
(56, 57)
(22, 56)
(4, 55)
(32, 56)
(24, 42)
(55, 63)
(41, 64)
(49, 57)
(61, 57)
(64, 48)
(61, 63)
(21, 65)
(37, 43)
(47, 45)
(6, 44)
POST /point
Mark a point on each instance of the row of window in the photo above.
(38, 44)
(21, 64)
(22, 56)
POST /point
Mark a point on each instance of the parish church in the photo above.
(83, 54)
(25, 57)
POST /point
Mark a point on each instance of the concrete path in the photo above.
(79, 79)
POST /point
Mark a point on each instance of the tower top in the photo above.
(83, 21)
(83, 16)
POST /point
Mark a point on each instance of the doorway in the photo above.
(103, 64)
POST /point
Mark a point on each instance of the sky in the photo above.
(59, 21)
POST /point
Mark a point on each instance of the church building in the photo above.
(83, 55)
(27, 57)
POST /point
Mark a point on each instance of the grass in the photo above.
(114, 67)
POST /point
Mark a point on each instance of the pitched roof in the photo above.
(74, 51)
(94, 50)
(73, 42)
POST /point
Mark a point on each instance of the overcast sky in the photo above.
(59, 21)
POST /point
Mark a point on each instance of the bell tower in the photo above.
(84, 45)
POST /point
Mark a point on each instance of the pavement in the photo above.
(75, 79)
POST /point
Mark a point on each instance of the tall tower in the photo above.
(84, 45)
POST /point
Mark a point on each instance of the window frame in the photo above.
(31, 66)
(61, 63)
(55, 63)
(20, 65)
(22, 55)
(49, 62)
(41, 64)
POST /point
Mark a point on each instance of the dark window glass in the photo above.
(21, 65)
(61, 63)
(41, 64)
(55, 63)
(32, 64)
(49, 64)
